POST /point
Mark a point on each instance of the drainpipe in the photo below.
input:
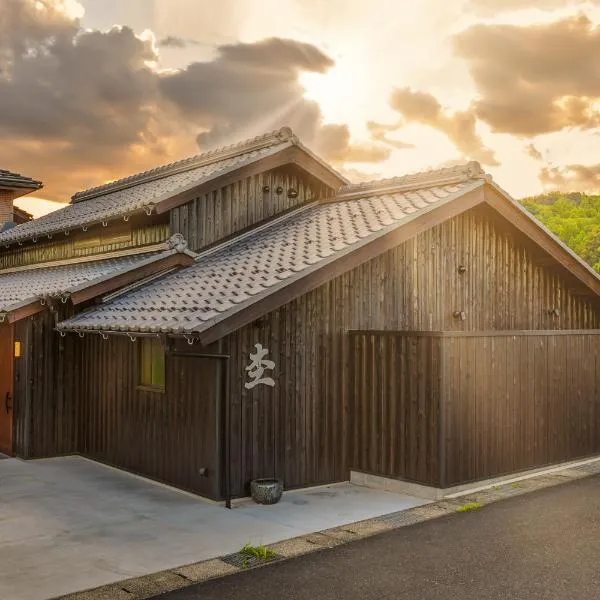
(227, 434)
(223, 388)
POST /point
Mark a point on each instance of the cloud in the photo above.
(333, 142)
(423, 108)
(535, 79)
(533, 152)
(249, 88)
(486, 8)
(379, 131)
(572, 178)
(79, 107)
(173, 41)
(242, 82)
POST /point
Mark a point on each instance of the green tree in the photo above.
(574, 218)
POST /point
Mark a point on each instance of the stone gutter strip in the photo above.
(149, 586)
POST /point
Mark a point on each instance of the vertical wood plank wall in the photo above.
(219, 214)
(46, 403)
(506, 284)
(395, 406)
(301, 430)
(168, 436)
(516, 402)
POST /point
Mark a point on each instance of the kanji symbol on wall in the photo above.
(258, 365)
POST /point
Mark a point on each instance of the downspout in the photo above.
(227, 433)
(442, 438)
(223, 387)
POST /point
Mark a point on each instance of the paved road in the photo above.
(544, 545)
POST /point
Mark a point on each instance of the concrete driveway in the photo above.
(68, 524)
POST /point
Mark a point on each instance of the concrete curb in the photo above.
(152, 585)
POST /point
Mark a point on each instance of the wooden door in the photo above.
(6, 389)
(195, 434)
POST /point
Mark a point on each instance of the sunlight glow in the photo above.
(342, 92)
(71, 8)
(37, 206)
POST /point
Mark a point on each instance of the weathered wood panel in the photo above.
(45, 402)
(505, 283)
(395, 406)
(62, 247)
(168, 436)
(302, 430)
(519, 401)
(235, 207)
(22, 389)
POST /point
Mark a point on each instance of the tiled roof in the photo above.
(14, 180)
(18, 288)
(205, 159)
(142, 192)
(133, 199)
(254, 265)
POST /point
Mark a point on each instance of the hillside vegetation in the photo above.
(574, 218)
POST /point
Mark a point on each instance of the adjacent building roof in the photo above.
(145, 191)
(252, 266)
(14, 181)
(23, 287)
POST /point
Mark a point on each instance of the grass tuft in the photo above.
(260, 552)
(469, 506)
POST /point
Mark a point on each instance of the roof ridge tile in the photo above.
(421, 179)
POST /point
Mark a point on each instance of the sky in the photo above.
(94, 90)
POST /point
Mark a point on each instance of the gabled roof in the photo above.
(273, 258)
(242, 279)
(152, 190)
(26, 290)
(14, 181)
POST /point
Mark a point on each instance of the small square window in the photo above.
(152, 364)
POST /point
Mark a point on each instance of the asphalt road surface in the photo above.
(544, 544)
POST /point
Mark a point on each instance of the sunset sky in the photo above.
(92, 90)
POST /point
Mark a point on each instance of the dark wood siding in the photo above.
(45, 398)
(81, 396)
(506, 285)
(22, 390)
(450, 408)
(219, 214)
(167, 436)
(395, 399)
(301, 430)
(519, 401)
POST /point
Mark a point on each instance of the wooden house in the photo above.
(249, 313)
